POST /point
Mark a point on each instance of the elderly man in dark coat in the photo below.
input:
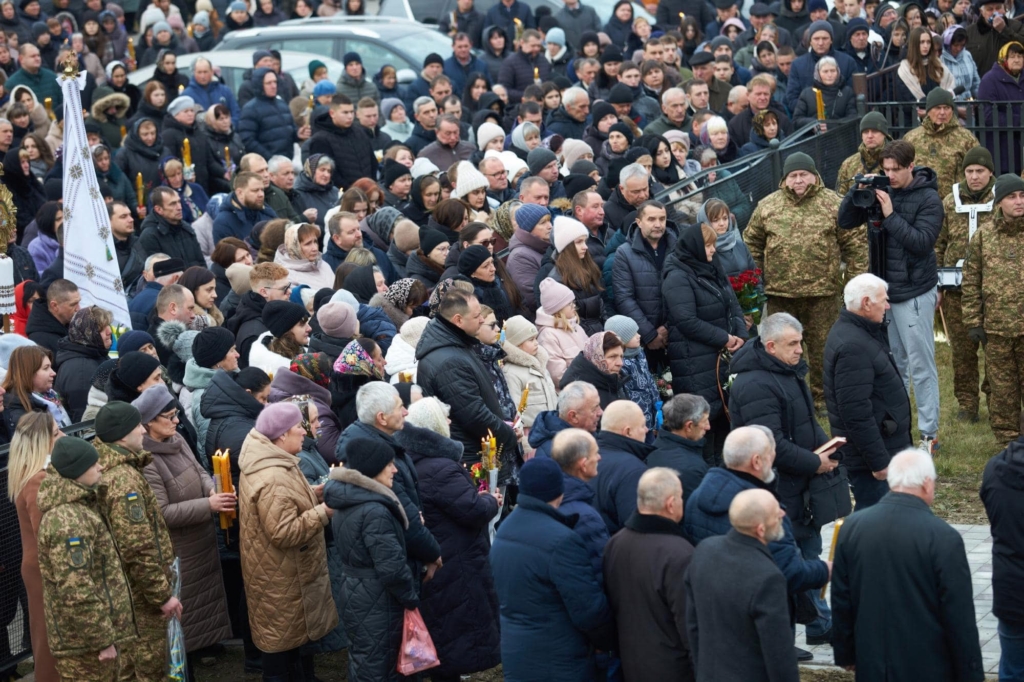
(553, 612)
(902, 600)
(642, 565)
(736, 617)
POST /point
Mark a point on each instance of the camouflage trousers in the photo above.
(817, 314)
(1005, 370)
(88, 668)
(146, 659)
(965, 355)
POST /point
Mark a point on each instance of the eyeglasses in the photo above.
(169, 416)
(493, 325)
(496, 175)
(488, 242)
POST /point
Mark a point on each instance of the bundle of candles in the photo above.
(489, 453)
(222, 484)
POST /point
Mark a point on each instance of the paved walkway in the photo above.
(978, 544)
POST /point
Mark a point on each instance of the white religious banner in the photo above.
(89, 257)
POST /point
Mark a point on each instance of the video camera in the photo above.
(864, 195)
(864, 198)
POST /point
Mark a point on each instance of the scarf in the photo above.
(51, 401)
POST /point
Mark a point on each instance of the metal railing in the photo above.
(17, 645)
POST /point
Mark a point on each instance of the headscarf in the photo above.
(355, 361)
(431, 414)
(313, 366)
(415, 210)
(438, 293)
(593, 351)
(361, 283)
(291, 244)
(382, 222)
(302, 402)
(85, 329)
(398, 293)
(21, 309)
(519, 135)
(690, 250)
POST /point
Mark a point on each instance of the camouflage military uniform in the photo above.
(993, 298)
(864, 161)
(85, 591)
(141, 535)
(942, 148)
(800, 248)
(950, 249)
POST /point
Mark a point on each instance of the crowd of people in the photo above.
(494, 345)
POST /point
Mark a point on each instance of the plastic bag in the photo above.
(176, 668)
(417, 653)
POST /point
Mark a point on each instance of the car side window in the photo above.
(376, 55)
(428, 11)
(320, 46)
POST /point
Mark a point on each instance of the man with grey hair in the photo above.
(642, 568)
(737, 101)
(570, 119)
(864, 391)
(673, 115)
(447, 148)
(209, 92)
(620, 208)
(575, 451)
(769, 389)
(749, 454)
(680, 442)
(381, 414)
(875, 606)
(579, 407)
(424, 110)
(280, 195)
(498, 190)
(736, 617)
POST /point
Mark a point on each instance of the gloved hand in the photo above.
(978, 335)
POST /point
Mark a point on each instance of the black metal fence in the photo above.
(15, 645)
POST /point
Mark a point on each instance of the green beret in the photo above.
(115, 420)
(72, 457)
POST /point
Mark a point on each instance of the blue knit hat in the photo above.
(541, 477)
(324, 87)
(351, 57)
(528, 215)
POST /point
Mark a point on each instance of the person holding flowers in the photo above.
(795, 240)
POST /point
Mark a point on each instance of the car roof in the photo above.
(371, 27)
(241, 59)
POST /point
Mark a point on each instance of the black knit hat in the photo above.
(472, 258)
(135, 367)
(115, 420)
(611, 54)
(280, 316)
(979, 156)
(620, 94)
(72, 457)
(211, 346)
(393, 171)
(433, 58)
(541, 478)
(600, 110)
(575, 183)
(798, 161)
(624, 129)
(431, 239)
(368, 456)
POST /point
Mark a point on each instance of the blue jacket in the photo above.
(213, 93)
(411, 92)
(801, 75)
(375, 324)
(579, 500)
(504, 17)
(266, 124)
(550, 600)
(143, 302)
(707, 515)
(234, 220)
(459, 74)
(545, 427)
(622, 464)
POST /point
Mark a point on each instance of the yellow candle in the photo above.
(311, 102)
(140, 199)
(131, 52)
(821, 104)
(227, 155)
(186, 152)
(48, 103)
(832, 549)
(536, 73)
(523, 398)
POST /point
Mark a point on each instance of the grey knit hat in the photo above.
(153, 401)
(623, 327)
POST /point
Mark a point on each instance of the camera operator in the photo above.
(904, 226)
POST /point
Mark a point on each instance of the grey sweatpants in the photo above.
(912, 339)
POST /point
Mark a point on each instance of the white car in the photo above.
(232, 65)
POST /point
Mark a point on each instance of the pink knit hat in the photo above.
(554, 296)
(566, 231)
(275, 420)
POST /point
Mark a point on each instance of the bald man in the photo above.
(623, 456)
(737, 618)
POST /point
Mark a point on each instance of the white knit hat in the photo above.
(513, 164)
(423, 166)
(566, 231)
(469, 179)
(487, 132)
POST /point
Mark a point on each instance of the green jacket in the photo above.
(942, 148)
(85, 590)
(993, 293)
(44, 84)
(139, 530)
(952, 244)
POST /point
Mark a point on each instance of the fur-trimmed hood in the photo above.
(397, 316)
(517, 356)
(114, 99)
(419, 443)
(337, 497)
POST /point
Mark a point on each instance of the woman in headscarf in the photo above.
(600, 364)
(313, 187)
(714, 134)
(107, 173)
(838, 101)
(203, 285)
(426, 192)
(401, 300)
(25, 187)
(665, 169)
(386, 81)
(360, 362)
(476, 264)
(300, 255)
(703, 319)
(117, 81)
(26, 294)
(166, 72)
(79, 354)
(310, 374)
(365, 282)
(193, 196)
(140, 153)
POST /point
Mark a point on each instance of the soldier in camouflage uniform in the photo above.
(89, 615)
(993, 303)
(941, 142)
(874, 133)
(141, 535)
(794, 239)
(967, 209)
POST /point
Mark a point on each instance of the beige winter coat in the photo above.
(522, 370)
(284, 558)
(182, 489)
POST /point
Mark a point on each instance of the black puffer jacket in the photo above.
(246, 324)
(459, 606)
(177, 241)
(368, 527)
(866, 399)
(308, 194)
(636, 279)
(770, 393)
(419, 270)
(135, 157)
(701, 313)
(232, 412)
(840, 103)
(351, 148)
(609, 386)
(908, 235)
(619, 214)
(45, 330)
(209, 171)
(449, 369)
(75, 366)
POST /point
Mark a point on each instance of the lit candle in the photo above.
(48, 103)
(821, 104)
(536, 74)
(139, 190)
(186, 152)
(227, 156)
(310, 102)
(181, 89)
(191, 34)
(124, 131)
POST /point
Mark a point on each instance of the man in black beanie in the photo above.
(135, 372)
(80, 565)
(543, 164)
(140, 533)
